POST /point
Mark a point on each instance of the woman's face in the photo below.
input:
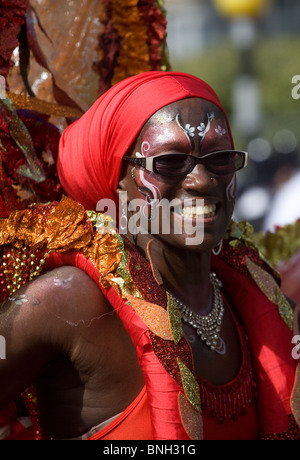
(196, 208)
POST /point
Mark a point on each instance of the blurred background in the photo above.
(249, 51)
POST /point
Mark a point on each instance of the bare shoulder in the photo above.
(42, 311)
(37, 324)
(71, 290)
(56, 290)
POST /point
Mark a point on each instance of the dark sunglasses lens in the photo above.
(225, 162)
(173, 165)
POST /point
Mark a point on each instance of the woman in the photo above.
(115, 341)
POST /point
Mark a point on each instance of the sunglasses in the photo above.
(180, 164)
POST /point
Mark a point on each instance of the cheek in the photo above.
(150, 186)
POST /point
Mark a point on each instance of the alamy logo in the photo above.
(296, 349)
(155, 216)
(2, 347)
(296, 88)
(2, 87)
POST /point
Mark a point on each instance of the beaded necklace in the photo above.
(208, 327)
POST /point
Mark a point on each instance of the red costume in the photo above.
(89, 166)
(62, 234)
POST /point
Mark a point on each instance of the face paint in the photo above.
(231, 189)
(220, 130)
(203, 129)
(148, 185)
(188, 130)
(193, 127)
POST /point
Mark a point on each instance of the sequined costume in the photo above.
(64, 234)
(37, 238)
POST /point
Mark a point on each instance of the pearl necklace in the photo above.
(208, 327)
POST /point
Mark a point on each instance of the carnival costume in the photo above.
(64, 233)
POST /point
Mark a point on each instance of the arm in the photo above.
(33, 330)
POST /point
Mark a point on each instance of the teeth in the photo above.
(208, 210)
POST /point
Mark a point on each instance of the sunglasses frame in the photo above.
(148, 163)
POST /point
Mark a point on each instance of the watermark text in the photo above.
(2, 347)
(2, 87)
(296, 349)
(159, 217)
(296, 88)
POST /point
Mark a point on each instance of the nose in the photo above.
(200, 179)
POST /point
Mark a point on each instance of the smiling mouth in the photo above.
(205, 211)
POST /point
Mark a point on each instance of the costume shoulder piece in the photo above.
(29, 237)
(243, 250)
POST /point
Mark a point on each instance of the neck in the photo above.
(184, 273)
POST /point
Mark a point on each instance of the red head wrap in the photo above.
(92, 148)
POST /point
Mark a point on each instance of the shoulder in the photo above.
(66, 280)
(67, 292)
(51, 304)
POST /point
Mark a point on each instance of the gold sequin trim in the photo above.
(155, 317)
(295, 396)
(190, 418)
(47, 108)
(134, 54)
(175, 318)
(285, 309)
(271, 290)
(190, 386)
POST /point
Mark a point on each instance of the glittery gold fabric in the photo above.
(190, 385)
(27, 237)
(155, 317)
(134, 54)
(191, 418)
(35, 232)
(61, 227)
(175, 318)
(270, 288)
(295, 397)
(21, 101)
(279, 245)
(66, 226)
